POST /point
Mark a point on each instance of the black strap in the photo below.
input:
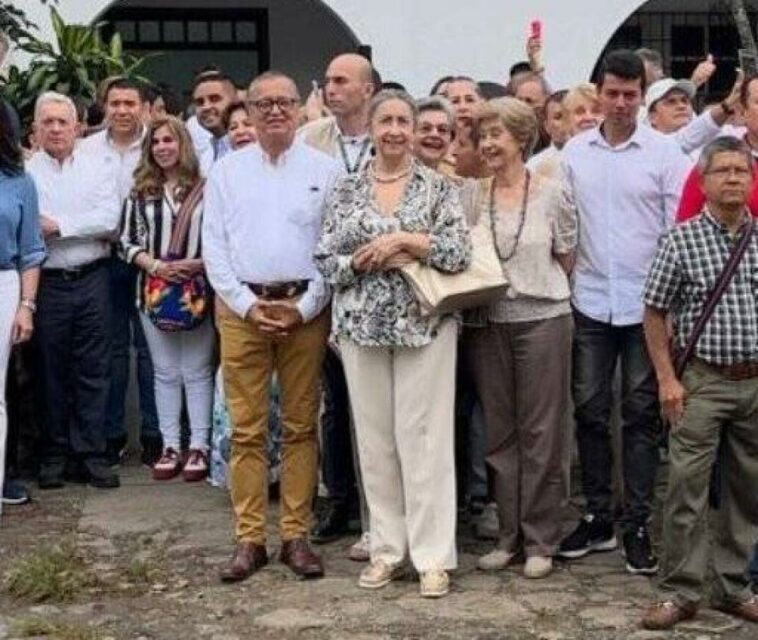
(714, 296)
(361, 154)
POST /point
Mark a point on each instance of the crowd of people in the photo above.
(255, 253)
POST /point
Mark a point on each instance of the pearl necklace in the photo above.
(389, 179)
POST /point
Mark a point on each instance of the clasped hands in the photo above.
(389, 251)
(178, 270)
(275, 317)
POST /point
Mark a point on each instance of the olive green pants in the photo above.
(716, 408)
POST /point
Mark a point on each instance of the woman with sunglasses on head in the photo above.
(167, 193)
(22, 251)
(520, 357)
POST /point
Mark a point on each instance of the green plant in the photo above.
(75, 64)
(36, 627)
(56, 574)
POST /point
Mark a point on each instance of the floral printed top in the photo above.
(380, 308)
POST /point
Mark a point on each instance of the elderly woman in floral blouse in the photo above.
(400, 366)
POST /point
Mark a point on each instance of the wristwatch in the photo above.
(153, 269)
(30, 304)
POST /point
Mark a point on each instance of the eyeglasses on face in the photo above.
(266, 105)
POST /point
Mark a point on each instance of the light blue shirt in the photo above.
(626, 197)
(262, 222)
(21, 244)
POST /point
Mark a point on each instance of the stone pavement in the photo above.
(157, 548)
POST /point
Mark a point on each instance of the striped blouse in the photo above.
(147, 224)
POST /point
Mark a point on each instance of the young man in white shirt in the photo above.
(262, 221)
(212, 93)
(80, 214)
(119, 146)
(626, 181)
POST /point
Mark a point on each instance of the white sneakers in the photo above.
(495, 560)
(538, 566)
(435, 583)
(535, 566)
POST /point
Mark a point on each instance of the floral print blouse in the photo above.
(379, 309)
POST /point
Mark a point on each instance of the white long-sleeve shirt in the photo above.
(81, 194)
(262, 222)
(626, 197)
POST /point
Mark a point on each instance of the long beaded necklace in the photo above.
(522, 218)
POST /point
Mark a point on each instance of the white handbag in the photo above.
(440, 293)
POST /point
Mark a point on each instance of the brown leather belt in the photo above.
(279, 290)
(734, 372)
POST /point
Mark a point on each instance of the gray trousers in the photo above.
(716, 408)
(522, 376)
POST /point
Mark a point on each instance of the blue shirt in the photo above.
(626, 198)
(21, 244)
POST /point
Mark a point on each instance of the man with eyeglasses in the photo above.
(716, 398)
(348, 88)
(262, 221)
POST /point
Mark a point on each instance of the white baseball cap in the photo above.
(661, 88)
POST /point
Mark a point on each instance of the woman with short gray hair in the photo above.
(524, 401)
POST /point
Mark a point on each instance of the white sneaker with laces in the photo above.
(379, 574)
(435, 583)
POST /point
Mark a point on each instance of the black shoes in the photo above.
(639, 554)
(101, 476)
(115, 448)
(50, 476)
(591, 535)
(97, 473)
(332, 524)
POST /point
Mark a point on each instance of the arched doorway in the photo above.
(243, 37)
(684, 32)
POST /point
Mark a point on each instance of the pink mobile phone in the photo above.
(536, 29)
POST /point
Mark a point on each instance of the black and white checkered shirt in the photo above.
(688, 263)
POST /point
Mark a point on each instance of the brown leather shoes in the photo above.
(248, 558)
(298, 556)
(747, 610)
(664, 615)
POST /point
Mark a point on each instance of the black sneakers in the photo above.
(590, 535)
(638, 552)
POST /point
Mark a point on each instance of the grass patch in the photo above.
(57, 574)
(34, 627)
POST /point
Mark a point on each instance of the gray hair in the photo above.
(385, 95)
(723, 144)
(53, 97)
(437, 103)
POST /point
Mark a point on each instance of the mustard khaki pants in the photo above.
(249, 358)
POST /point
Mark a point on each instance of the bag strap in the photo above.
(176, 247)
(714, 296)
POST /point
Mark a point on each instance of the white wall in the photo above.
(416, 41)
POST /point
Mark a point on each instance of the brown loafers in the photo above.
(248, 558)
(298, 556)
(664, 615)
(747, 610)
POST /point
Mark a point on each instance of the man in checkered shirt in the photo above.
(717, 397)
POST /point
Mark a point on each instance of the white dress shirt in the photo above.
(696, 134)
(263, 221)
(626, 197)
(124, 161)
(81, 195)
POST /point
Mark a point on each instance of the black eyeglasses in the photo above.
(266, 105)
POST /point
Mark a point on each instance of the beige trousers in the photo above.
(403, 404)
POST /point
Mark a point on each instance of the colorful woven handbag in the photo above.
(178, 306)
